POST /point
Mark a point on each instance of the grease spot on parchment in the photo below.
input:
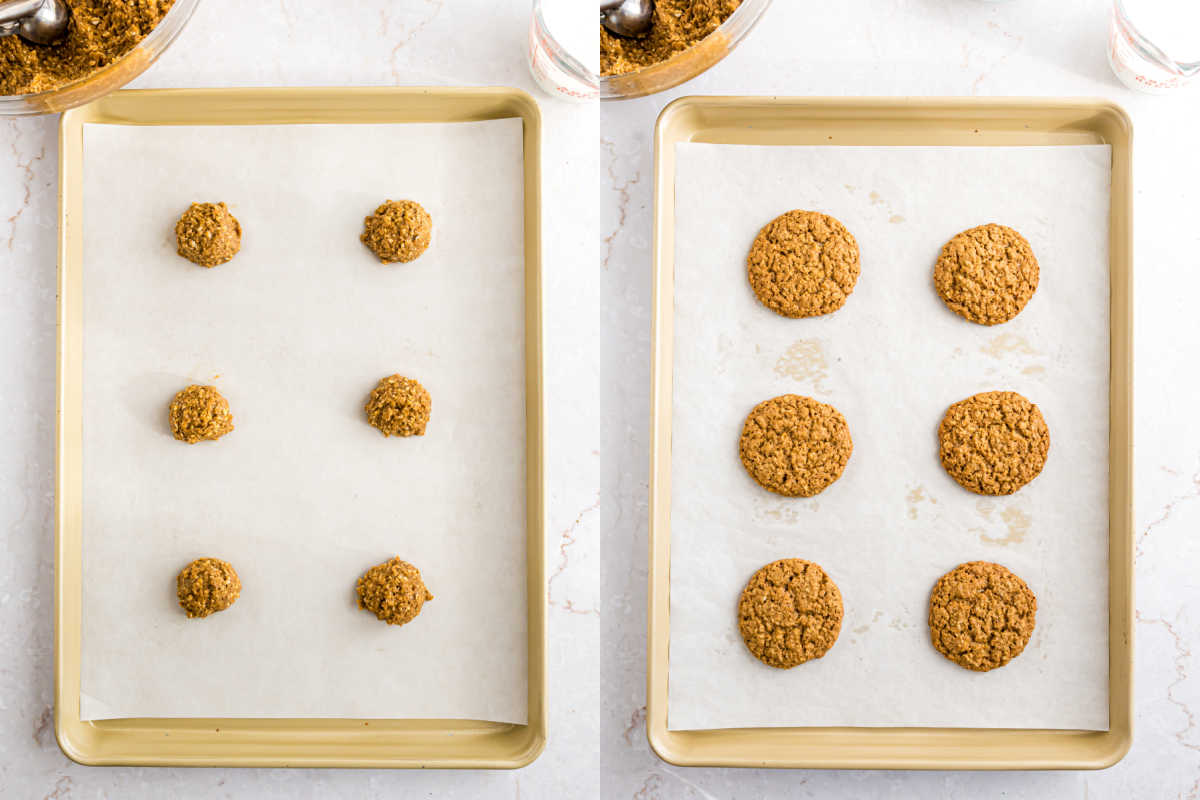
(985, 508)
(805, 362)
(1034, 370)
(867, 627)
(786, 513)
(895, 219)
(1007, 343)
(875, 198)
(1016, 524)
(915, 496)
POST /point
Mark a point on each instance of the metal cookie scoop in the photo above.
(35, 21)
(628, 18)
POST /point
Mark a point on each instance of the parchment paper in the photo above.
(303, 496)
(892, 359)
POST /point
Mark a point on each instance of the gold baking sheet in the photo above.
(890, 122)
(426, 743)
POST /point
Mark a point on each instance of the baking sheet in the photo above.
(304, 495)
(891, 360)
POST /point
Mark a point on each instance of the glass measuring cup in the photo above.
(1154, 45)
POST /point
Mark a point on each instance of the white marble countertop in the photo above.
(597, 358)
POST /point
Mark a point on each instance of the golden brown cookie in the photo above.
(206, 586)
(399, 406)
(397, 231)
(199, 413)
(790, 612)
(207, 234)
(994, 442)
(393, 591)
(986, 274)
(803, 264)
(795, 446)
(981, 615)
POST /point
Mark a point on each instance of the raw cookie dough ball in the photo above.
(803, 264)
(790, 612)
(986, 274)
(993, 443)
(393, 591)
(981, 615)
(397, 231)
(208, 235)
(795, 446)
(206, 586)
(399, 406)
(198, 413)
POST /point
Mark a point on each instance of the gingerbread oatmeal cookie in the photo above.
(207, 234)
(393, 591)
(981, 616)
(993, 443)
(206, 586)
(399, 406)
(397, 231)
(795, 446)
(986, 274)
(790, 612)
(199, 413)
(803, 264)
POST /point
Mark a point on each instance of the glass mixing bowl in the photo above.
(105, 79)
(688, 64)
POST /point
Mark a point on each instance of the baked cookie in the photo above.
(399, 406)
(803, 264)
(397, 231)
(981, 615)
(790, 612)
(393, 591)
(795, 446)
(986, 274)
(206, 586)
(207, 234)
(199, 413)
(994, 442)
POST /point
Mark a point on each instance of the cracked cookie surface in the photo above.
(393, 591)
(803, 264)
(993, 443)
(981, 615)
(206, 586)
(794, 445)
(986, 274)
(199, 413)
(790, 612)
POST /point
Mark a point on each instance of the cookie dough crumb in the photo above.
(677, 25)
(803, 264)
(399, 406)
(397, 231)
(993, 443)
(790, 612)
(981, 616)
(206, 586)
(986, 274)
(207, 234)
(393, 591)
(794, 445)
(200, 413)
